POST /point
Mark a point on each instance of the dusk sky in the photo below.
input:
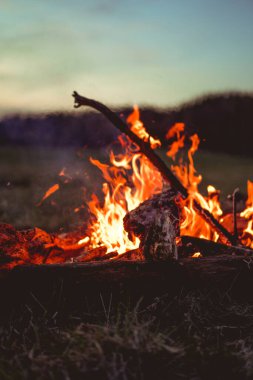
(155, 52)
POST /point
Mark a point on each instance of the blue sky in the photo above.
(156, 52)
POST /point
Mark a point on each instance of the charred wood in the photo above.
(134, 255)
(64, 288)
(95, 254)
(156, 223)
(190, 245)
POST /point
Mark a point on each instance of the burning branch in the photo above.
(144, 146)
(146, 149)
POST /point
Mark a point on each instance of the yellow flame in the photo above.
(197, 255)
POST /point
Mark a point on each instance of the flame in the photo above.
(131, 179)
(247, 237)
(175, 130)
(49, 192)
(55, 187)
(138, 128)
(197, 255)
(84, 240)
(191, 223)
(213, 201)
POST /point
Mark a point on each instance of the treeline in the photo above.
(223, 122)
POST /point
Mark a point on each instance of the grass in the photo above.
(26, 173)
(195, 336)
(224, 171)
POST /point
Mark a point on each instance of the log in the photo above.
(190, 245)
(63, 288)
(98, 253)
(133, 254)
(156, 223)
(146, 149)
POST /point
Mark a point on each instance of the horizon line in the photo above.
(163, 108)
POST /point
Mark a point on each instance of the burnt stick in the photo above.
(155, 160)
(191, 244)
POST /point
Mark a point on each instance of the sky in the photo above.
(149, 52)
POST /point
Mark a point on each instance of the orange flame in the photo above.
(248, 215)
(192, 224)
(175, 130)
(138, 128)
(197, 255)
(49, 192)
(131, 179)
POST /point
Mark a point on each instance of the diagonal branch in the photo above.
(144, 147)
(156, 161)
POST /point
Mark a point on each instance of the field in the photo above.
(26, 173)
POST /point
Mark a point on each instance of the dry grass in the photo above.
(195, 336)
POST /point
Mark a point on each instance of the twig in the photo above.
(155, 160)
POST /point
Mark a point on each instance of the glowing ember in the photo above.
(197, 255)
(49, 192)
(62, 173)
(84, 240)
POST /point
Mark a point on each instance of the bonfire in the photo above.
(136, 179)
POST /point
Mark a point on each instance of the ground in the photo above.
(191, 336)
